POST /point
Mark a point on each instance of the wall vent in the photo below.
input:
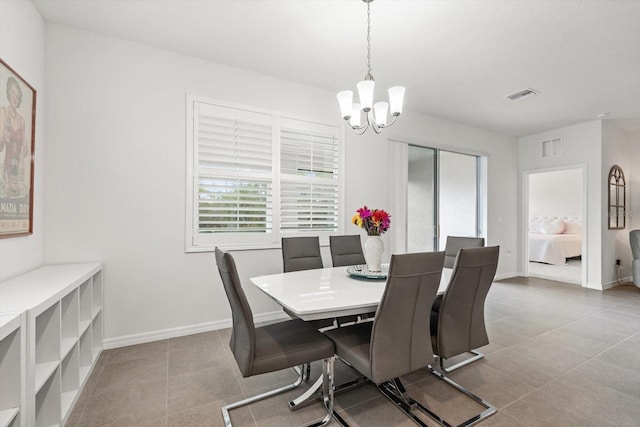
(525, 93)
(551, 148)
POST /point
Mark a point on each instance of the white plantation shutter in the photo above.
(255, 176)
(309, 177)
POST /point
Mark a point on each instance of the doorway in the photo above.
(555, 247)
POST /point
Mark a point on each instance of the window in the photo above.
(255, 176)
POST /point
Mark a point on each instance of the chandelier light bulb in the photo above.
(396, 98)
(381, 109)
(356, 116)
(365, 93)
(345, 99)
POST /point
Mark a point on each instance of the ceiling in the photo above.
(458, 59)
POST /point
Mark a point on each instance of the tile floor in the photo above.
(559, 355)
(569, 273)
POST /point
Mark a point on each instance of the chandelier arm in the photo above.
(374, 125)
(357, 127)
(393, 120)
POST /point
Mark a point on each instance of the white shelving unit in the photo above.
(12, 369)
(63, 316)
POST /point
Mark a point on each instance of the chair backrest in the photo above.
(243, 334)
(400, 343)
(461, 326)
(634, 238)
(346, 250)
(301, 253)
(455, 243)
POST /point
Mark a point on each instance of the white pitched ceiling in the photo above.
(458, 59)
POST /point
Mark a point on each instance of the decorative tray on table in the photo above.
(361, 271)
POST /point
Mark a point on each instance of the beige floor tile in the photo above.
(131, 372)
(197, 388)
(127, 406)
(209, 415)
(491, 384)
(378, 412)
(140, 351)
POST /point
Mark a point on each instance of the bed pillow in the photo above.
(555, 226)
(573, 228)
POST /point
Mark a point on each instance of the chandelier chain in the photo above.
(369, 40)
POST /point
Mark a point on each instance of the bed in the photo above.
(553, 239)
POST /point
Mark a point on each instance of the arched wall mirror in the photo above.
(617, 198)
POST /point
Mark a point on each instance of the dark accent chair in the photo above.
(457, 317)
(301, 253)
(274, 347)
(346, 250)
(395, 343)
(455, 243)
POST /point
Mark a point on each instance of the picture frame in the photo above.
(17, 148)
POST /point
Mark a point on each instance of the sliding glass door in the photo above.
(421, 200)
(442, 197)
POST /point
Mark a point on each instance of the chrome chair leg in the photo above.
(489, 408)
(327, 391)
(465, 362)
(250, 400)
(396, 393)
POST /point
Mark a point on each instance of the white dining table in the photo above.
(327, 292)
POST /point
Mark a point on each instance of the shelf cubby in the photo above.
(47, 345)
(96, 331)
(85, 358)
(69, 381)
(11, 370)
(48, 402)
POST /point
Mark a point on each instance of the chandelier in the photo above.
(376, 115)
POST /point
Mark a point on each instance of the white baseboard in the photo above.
(615, 283)
(506, 276)
(145, 337)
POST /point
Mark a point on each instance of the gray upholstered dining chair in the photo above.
(634, 240)
(457, 317)
(301, 253)
(455, 243)
(274, 347)
(346, 250)
(395, 343)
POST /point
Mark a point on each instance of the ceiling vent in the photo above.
(551, 148)
(525, 93)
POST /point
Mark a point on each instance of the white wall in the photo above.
(555, 193)
(22, 47)
(581, 145)
(116, 184)
(616, 150)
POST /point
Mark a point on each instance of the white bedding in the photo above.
(554, 248)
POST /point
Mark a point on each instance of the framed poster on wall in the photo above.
(17, 144)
